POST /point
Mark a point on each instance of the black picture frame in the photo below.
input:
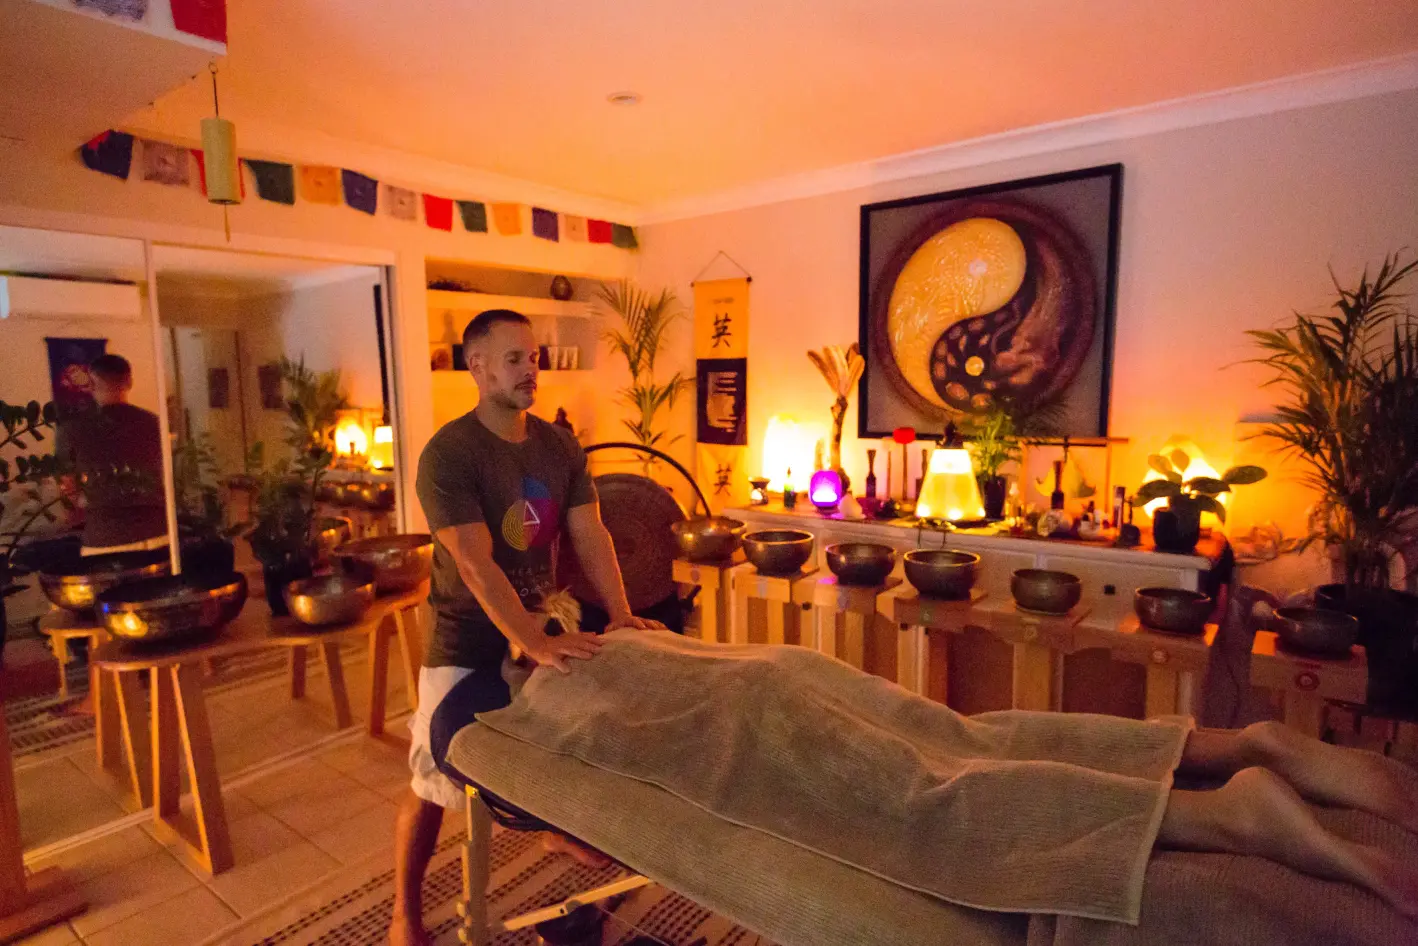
(872, 256)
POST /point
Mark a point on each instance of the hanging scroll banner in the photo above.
(721, 381)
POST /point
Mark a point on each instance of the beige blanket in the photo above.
(1014, 812)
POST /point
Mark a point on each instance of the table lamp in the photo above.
(950, 490)
(825, 490)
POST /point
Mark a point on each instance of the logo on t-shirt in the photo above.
(532, 520)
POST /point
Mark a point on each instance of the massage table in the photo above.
(796, 896)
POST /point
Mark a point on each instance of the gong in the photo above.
(988, 300)
(638, 513)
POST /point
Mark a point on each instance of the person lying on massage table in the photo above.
(498, 487)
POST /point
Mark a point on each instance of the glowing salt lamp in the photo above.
(350, 439)
(381, 455)
(950, 490)
(786, 445)
(825, 490)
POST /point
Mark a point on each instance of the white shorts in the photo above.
(428, 782)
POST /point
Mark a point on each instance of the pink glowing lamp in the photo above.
(825, 490)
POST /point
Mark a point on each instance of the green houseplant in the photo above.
(1349, 415)
(201, 516)
(23, 477)
(644, 319)
(1177, 528)
(996, 437)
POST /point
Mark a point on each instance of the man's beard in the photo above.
(511, 400)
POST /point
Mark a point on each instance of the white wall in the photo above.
(1224, 227)
(332, 326)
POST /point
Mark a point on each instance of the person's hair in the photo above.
(483, 322)
(112, 369)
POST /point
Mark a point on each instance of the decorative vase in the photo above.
(1178, 527)
(277, 577)
(994, 490)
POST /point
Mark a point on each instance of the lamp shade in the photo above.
(219, 159)
(825, 490)
(950, 491)
(381, 453)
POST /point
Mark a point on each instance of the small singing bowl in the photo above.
(708, 539)
(778, 552)
(1174, 610)
(77, 586)
(1048, 592)
(331, 599)
(334, 532)
(860, 563)
(173, 608)
(942, 573)
(1316, 630)
(396, 562)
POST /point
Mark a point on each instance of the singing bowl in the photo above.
(334, 532)
(708, 539)
(1316, 630)
(941, 573)
(330, 599)
(172, 608)
(395, 562)
(778, 552)
(77, 585)
(377, 496)
(860, 563)
(1050, 592)
(1174, 610)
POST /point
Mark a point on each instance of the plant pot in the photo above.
(994, 489)
(1388, 630)
(1178, 527)
(277, 577)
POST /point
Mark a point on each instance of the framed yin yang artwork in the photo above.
(996, 294)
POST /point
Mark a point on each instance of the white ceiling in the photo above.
(739, 91)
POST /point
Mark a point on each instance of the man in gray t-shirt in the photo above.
(499, 488)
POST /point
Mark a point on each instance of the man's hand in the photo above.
(630, 620)
(544, 649)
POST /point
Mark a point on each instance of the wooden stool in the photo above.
(1173, 661)
(917, 615)
(1038, 641)
(1305, 683)
(61, 626)
(840, 615)
(712, 579)
(746, 584)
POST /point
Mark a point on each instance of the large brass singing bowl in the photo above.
(172, 608)
(79, 585)
(708, 539)
(1049, 592)
(331, 599)
(778, 552)
(1173, 610)
(860, 563)
(395, 562)
(1316, 630)
(942, 573)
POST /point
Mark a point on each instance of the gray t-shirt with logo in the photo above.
(522, 492)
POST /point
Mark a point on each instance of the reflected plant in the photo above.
(644, 319)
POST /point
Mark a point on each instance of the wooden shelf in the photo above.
(530, 306)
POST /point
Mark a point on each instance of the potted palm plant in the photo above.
(201, 516)
(1349, 415)
(996, 438)
(644, 319)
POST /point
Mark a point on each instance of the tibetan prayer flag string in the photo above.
(204, 18)
(402, 202)
(474, 213)
(598, 231)
(508, 218)
(110, 153)
(544, 224)
(361, 192)
(133, 10)
(320, 184)
(438, 212)
(274, 181)
(623, 237)
(201, 159)
(166, 164)
(573, 228)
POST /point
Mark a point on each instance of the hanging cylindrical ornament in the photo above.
(219, 155)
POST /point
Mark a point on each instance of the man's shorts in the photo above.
(435, 683)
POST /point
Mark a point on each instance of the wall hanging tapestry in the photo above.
(721, 382)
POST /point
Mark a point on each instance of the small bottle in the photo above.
(1120, 495)
(790, 495)
(1056, 498)
(871, 474)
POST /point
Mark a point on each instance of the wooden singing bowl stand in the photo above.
(918, 616)
(780, 625)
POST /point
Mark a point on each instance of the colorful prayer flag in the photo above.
(204, 18)
(474, 214)
(361, 192)
(274, 181)
(165, 164)
(201, 158)
(319, 184)
(623, 237)
(133, 10)
(438, 212)
(402, 202)
(508, 218)
(573, 229)
(598, 231)
(544, 224)
(109, 153)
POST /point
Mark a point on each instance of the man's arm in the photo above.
(596, 553)
(471, 548)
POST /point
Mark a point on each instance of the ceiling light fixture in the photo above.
(624, 98)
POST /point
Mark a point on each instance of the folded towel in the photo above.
(1012, 811)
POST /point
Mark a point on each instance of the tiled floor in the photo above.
(310, 816)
